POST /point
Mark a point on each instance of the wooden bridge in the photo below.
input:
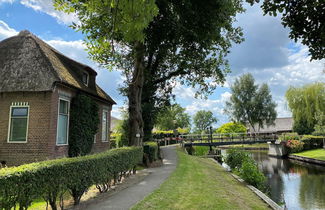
(226, 139)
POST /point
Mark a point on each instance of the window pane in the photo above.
(18, 129)
(63, 107)
(19, 111)
(104, 126)
(62, 130)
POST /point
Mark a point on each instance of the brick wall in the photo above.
(42, 129)
(38, 129)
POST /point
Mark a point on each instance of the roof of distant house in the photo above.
(280, 125)
(29, 64)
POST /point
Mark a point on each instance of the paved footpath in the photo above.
(128, 197)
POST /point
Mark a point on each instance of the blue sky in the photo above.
(267, 53)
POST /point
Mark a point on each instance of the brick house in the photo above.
(37, 84)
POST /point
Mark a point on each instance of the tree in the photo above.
(115, 36)
(305, 103)
(203, 120)
(173, 117)
(232, 127)
(83, 125)
(305, 20)
(251, 103)
(186, 41)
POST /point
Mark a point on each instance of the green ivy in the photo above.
(50, 179)
(84, 122)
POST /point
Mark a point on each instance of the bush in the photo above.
(236, 157)
(200, 150)
(50, 179)
(250, 173)
(294, 146)
(232, 127)
(312, 142)
(152, 151)
(289, 136)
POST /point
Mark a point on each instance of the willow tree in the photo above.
(305, 104)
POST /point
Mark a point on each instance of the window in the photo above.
(63, 123)
(105, 126)
(85, 78)
(18, 122)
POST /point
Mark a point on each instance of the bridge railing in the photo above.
(226, 137)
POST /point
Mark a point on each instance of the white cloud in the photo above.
(46, 6)
(6, 31)
(7, 1)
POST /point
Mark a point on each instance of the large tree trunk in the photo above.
(134, 96)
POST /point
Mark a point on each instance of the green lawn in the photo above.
(318, 154)
(199, 183)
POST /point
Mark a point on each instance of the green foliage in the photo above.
(122, 130)
(306, 102)
(203, 120)
(306, 23)
(83, 125)
(320, 124)
(50, 179)
(312, 142)
(179, 130)
(152, 150)
(235, 158)
(200, 150)
(250, 173)
(173, 117)
(251, 103)
(294, 146)
(243, 163)
(289, 136)
(232, 127)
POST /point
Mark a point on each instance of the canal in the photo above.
(294, 184)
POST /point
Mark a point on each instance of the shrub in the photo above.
(201, 150)
(250, 173)
(294, 146)
(236, 157)
(232, 127)
(50, 179)
(289, 136)
(312, 142)
(152, 151)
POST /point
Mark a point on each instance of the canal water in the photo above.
(294, 184)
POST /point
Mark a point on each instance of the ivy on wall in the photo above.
(84, 120)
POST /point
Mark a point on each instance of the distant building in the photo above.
(281, 125)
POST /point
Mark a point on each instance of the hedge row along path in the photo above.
(128, 197)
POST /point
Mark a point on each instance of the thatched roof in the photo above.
(29, 64)
(280, 125)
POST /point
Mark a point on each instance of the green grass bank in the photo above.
(318, 154)
(199, 183)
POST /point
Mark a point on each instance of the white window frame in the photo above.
(18, 105)
(87, 83)
(107, 124)
(57, 123)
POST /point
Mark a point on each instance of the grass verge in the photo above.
(199, 183)
(318, 154)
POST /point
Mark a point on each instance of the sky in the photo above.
(267, 53)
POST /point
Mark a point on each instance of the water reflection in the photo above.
(295, 184)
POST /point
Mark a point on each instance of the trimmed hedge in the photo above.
(51, 179)
(152, 151)
(312, 142)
